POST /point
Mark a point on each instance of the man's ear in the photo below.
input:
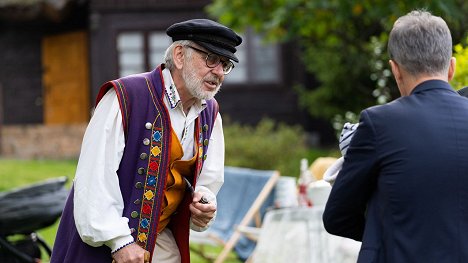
(178, 55)
(398, 74)
(452, 66)
(395, 70)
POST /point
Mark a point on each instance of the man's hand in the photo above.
(201, 213)
(132, 253)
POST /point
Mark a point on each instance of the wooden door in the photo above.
(66, 78)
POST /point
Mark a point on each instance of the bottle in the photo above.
(305, 179)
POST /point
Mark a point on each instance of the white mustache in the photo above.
(213, 79)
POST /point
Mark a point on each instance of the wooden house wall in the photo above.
(244, 103)
(21, 67)
(105, 25)
(20, 75)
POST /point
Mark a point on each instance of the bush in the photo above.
(461, 71)
(268, 146)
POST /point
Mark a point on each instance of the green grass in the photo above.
(16, 173)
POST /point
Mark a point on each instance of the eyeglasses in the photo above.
(212, 60)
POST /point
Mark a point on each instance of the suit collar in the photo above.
(432, 84)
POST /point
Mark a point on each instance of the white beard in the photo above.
(194, 84)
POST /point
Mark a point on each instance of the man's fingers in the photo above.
(200, 222)
(202, 214)
(131, 254)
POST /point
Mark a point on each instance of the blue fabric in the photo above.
(240, 189)
(403, 190)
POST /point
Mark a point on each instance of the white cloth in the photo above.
(332, 172)
(345, 139)
(296, 234)
(98, 203)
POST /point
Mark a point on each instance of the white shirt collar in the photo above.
(172, 94)
(170, 89)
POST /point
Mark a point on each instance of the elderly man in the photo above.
(402, 189)
(152, 137)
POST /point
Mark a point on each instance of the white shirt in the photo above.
(98, 202)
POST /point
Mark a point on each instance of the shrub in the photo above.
(461, 71)
(268, 146)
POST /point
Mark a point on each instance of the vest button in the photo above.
(134, 214)
(205, 127)
(205, 142)
(137, 202)
(138, 185)
(148, 125)
(146, 141)
(141, 170)
(143, 156)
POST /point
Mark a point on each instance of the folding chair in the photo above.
(243, 199)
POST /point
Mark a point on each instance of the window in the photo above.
(130, 48)
(140, 51)
(158, 43)
(258, 62)
(266, 62)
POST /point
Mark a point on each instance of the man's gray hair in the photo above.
(168, 58)
(421, 43)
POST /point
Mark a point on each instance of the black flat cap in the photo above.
(209, 34)
(463, 91)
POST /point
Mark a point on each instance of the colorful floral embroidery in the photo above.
(149, 195)
(154, 166)
(151, 180)
(142, 237)
(155, 151)
(144, 223)
(146, 209)
(157, 136)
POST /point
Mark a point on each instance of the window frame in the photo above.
(248, 40)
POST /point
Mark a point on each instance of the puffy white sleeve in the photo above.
(98, 202)
(212, 175)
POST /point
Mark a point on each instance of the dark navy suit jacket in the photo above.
(403, 188)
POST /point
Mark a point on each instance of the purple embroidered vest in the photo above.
(143, 170)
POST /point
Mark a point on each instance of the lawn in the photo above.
(15, 173)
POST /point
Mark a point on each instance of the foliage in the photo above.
(267, 146)
(461, 72)
(339, 40)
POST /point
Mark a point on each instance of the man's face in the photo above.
(201, 81)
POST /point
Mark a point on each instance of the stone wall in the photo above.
(41, 141)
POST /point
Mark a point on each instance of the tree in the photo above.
(461, 71)
(343, 42)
